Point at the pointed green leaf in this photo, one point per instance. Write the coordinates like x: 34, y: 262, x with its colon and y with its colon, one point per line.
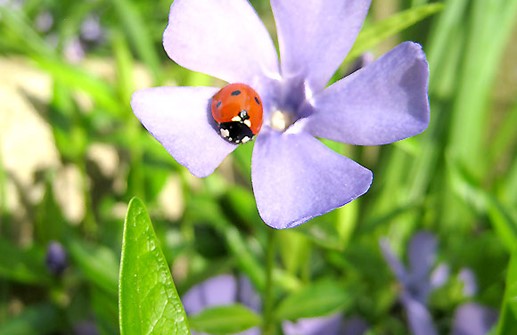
x: 149, y: 302
x: 319, y: 299
x: 225, y: 320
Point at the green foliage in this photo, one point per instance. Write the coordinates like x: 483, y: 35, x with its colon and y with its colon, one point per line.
x: 37, y: 319
x: 225, y: 320
x: 148, y: 299
x: 318, y: 299
x: 375, y: 33
x: 22, y: 265
x: 508, y: 319
x: 457, y: 180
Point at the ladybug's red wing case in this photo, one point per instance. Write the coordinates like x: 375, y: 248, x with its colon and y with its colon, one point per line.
x: 237, y: 110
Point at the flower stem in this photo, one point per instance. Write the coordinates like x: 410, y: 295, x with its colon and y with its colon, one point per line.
x: 268, y: 327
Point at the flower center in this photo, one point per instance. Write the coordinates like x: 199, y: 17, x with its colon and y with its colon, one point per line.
x: 281, y: 120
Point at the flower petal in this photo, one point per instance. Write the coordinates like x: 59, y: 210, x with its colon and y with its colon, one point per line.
x: 247, y: 295
x: 328, y: 325
x: 473, y: 319
x: 222, y: 38
x: 384, y: 102
x: 216, y: 291
x: 315, y: 36
x: 422, y: 255
x: 419, y: 318
x: 295, y: 178
x: 470, y: 286
x: 393, y: 261
x: 179, y: 118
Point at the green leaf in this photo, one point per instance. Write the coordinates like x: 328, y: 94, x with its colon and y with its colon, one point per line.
x: 225, y: 320
x: 294, y: 250
x: 508, y: 319
x: 49, y: 220
x: 205, y: 209
x: 378, y: 32
x: 319, y: 299
x: 149, y: 302
x: 80, y: 79
x: 501, y: 216
x: 490, y: 23
x: 97, y: 263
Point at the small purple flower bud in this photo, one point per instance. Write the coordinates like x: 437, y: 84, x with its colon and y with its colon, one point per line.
x: 56, y: 259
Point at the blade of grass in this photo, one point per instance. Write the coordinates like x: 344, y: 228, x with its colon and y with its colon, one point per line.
x: 379, y: 31
x: 138, y: 34
x: 490, y: 24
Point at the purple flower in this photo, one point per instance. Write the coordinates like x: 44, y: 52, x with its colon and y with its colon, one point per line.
x: 417, y: 282
x: 227, y: 290
x: 295, y: 177
x: 328, y: 325
x: 219, y: 291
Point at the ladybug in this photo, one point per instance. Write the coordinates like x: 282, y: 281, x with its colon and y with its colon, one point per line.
x: 237, y: 110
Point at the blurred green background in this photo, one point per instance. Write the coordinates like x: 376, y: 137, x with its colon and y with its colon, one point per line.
x: 72, y: 155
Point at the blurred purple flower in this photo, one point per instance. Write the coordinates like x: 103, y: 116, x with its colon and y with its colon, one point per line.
x: 469, y: 282
x: 329, y: 325
x: 473, y: 319
x: 74, y: 50
x: 227, y: 290
x: 91, y: 29
x: 56, y: 258
x: 295, y: 177
x: 44, y: 21
x: 219, y: 291
x: 417, y: 282
x: 90, y: 35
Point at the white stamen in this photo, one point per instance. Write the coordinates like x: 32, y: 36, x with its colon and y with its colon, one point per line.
x: 281, y: 120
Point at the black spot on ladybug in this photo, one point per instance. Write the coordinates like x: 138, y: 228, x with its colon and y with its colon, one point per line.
x: 218, y: 104
x: 236, y: 92
x: 257, y: 101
